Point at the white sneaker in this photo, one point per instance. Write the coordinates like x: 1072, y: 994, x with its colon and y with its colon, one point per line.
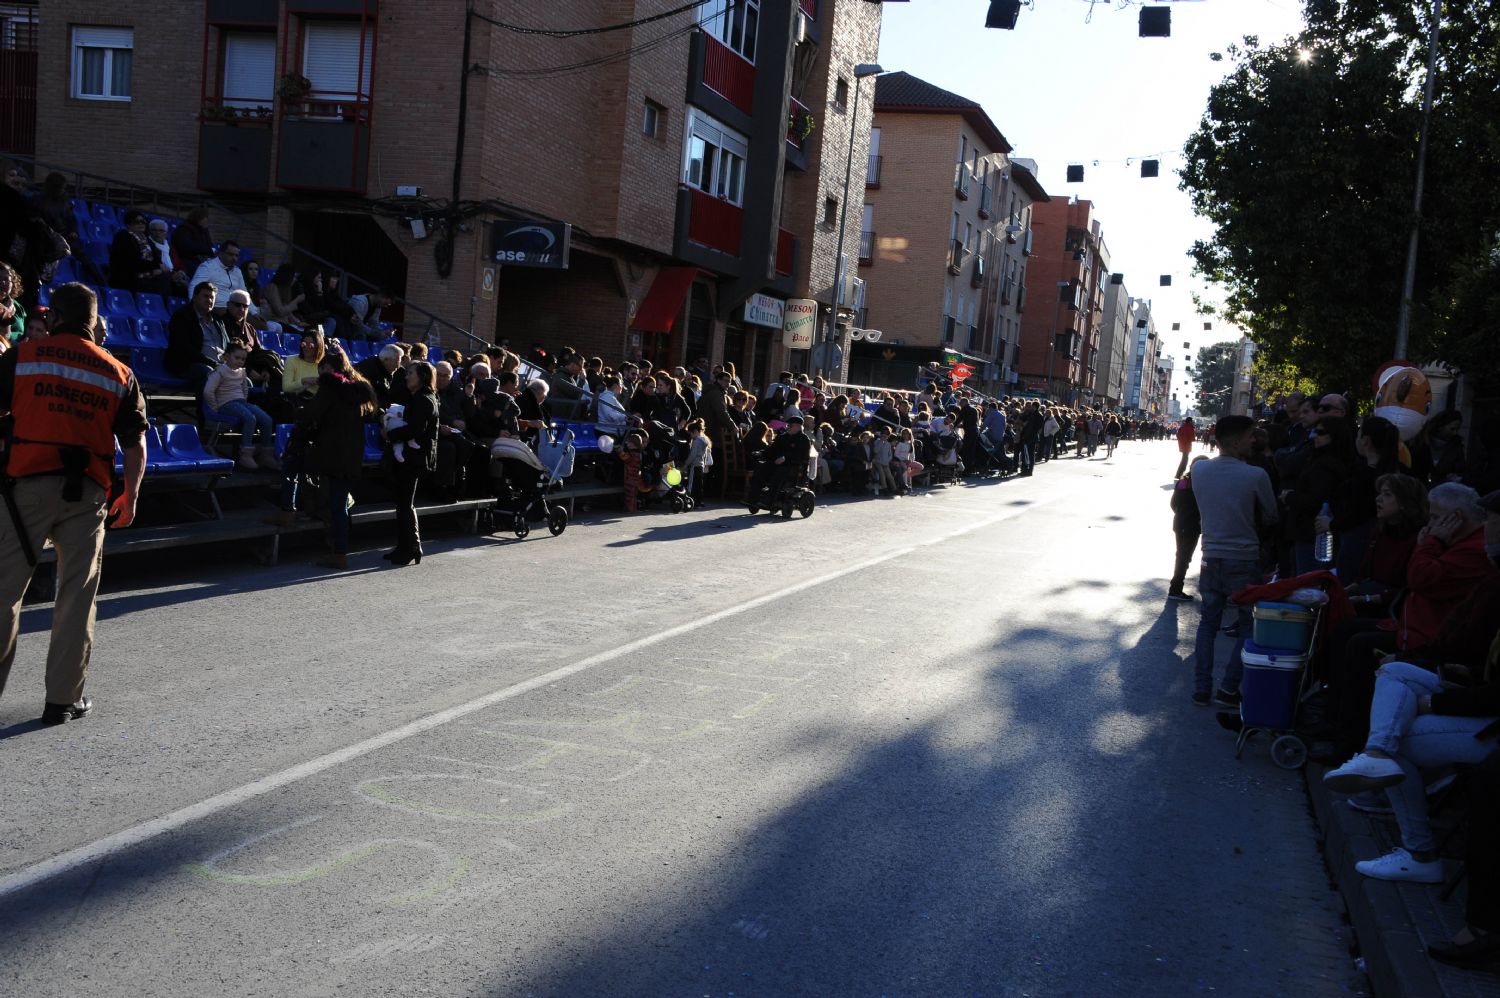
x: 1364, y: 772
x: 1398, y: 865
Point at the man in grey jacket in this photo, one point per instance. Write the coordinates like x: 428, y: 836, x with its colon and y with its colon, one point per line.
x: 1235, y: 503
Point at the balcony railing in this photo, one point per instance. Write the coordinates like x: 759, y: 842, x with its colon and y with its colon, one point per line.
x: 872, y: 170
x: 794, y: 123
x: 956, y: 256
x: 786, y: 252
x: 986, y: 200
x: 323, y: 142
x: 961, y: 185
x: 866, y: 248
x: 716, y: 224
x: 950, y: 328
x: 809, y: 7
x: 976, y: 275
x: 728, y: 74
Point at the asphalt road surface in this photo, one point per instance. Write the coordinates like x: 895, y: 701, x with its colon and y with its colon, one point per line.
x: 933, y: 745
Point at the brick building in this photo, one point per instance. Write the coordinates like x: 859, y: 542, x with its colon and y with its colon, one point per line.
x: 945, y: 237
x: 412, y: 143
x: 1065, y: 282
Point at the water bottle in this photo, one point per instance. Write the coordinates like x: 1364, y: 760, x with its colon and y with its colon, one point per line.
x: 1323, y: 545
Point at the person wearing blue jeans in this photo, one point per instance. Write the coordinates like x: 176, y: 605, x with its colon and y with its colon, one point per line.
x: 1416, y: 723
x: 1235, y: 503
x: 224, y: 401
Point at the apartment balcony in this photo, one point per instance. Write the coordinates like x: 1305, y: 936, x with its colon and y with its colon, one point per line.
x: 961, y: 184
x: 986, y: 201
x: 727, y: 73
x: 809, y: 7
x: 872, y: 170
x: 866, y: 248
x: 715, y: 223
x: 325, y: 143
x: 956, y: 256
x: 234, y: 152
x: 794, y: 125
x: 1021, y: 298
x: 976, y: 273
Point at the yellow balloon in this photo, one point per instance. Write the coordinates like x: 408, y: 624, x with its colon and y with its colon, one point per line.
x: 674, y: 477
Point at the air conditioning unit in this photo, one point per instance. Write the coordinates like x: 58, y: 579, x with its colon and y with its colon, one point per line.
x: 857, y: 293
x: 799, y: 33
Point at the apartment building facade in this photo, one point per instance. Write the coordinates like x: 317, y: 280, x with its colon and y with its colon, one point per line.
x: 627, y: 192
x: 1116, y: 342
x: 1060, y: 333
x: 1145, y: 390
x: 945, y: 237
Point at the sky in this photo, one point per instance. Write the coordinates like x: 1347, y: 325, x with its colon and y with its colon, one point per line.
x: 1066, y: 88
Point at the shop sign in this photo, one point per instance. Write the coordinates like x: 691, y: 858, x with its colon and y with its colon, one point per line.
x: 800, y: 324
x: 763, y: 310
x: 528, y: 243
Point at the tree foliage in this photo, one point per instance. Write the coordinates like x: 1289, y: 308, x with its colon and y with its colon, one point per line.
x: 1306, y: 167
x: 1213, y: 374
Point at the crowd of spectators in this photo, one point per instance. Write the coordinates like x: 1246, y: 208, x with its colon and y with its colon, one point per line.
x: 1405, y: 537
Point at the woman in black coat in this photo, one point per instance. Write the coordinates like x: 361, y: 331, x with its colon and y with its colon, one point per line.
x: 419, y: 458
x: 332, y: 425
x: 133, y: 261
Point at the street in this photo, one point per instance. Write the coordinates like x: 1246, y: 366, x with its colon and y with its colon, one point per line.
x: 932, y: 745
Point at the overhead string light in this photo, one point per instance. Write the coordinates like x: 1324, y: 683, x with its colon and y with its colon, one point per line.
x: 1150, y: 164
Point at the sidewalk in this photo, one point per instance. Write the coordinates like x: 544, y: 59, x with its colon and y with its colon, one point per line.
x: 1394, y: 922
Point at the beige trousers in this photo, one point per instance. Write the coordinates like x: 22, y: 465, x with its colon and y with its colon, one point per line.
x: 77, y: 533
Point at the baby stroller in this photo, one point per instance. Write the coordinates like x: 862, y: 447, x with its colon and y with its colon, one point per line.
x: 523, y: 481
x: 794, y: 492
x: 995, y: 458
x: 945, y: 464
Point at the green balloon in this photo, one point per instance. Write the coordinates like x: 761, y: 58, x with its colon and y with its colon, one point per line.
x: 674, y: 477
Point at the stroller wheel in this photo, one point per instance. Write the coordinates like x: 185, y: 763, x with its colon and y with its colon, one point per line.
x: 805, y: 504
x: 557, y: 521
x: 754, y: 509
x: 678, y: 505
x: 1289, y: 752
x: 521, y: 526
x: 786, y: 508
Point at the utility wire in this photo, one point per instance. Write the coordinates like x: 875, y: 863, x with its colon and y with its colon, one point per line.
x: 603, y: 29
x: 603, y: 60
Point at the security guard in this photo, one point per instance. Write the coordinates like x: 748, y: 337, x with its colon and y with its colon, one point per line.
x: 65, y: 402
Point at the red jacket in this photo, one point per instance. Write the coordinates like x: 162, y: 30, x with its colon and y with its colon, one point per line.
x: 1335, y: 612
x: 1185, y: 435
x: 1439, y: 579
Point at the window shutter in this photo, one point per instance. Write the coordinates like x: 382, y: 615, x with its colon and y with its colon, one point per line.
x: 249, y: 68
x: 332, y: 60
x: 104, y: 38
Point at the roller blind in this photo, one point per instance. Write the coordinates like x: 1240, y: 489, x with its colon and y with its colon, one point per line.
x: 249, y: 68
x: 332, y: 58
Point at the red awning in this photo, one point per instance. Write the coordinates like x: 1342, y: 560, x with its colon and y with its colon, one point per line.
x: 664, y: 300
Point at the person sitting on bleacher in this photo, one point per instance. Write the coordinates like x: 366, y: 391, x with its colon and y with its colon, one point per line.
x: 156, y: 235
x: 133, y: 265
x: 237, y: 320
x: 191, y: 243
x: 380, y: 372
x: 364, y: 319
x: 453, y: 446
x: 299, y: 378
x: 12, y: 312
x: 196, y: 339
x: 222, y: 271
x: 284, y: 297
x: 536, y: 413
x: 226, y: 400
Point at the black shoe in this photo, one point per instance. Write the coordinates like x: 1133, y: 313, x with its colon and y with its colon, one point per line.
x: 1233, y: 630
x: 1180, y: 596
x: 1480, y: 952
x: 1201, y: 699
x: 1224, y: 698
x: 1229, y: 721
x: 60, y: 713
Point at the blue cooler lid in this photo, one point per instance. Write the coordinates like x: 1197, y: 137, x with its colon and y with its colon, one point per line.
x: 1273, y: 654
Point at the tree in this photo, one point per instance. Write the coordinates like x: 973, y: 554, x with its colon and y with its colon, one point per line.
x: 1305, y: 160
x: 1213, y: 374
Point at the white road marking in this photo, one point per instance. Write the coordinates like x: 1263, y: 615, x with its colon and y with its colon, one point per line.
x: 100, y: 849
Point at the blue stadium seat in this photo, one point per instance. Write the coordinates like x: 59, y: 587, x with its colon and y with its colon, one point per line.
x: 67, y: 270
x: 283, y: 436
x: 359, y: 350
x: 97, y: 252
x: 44, y: 296
x: 80, y: 208
x: 151, y: 306
x: 374, y: 446
x: 151, y: 332
x: 106, y: 215
x: 183, y: 444
x: 289, y: 344
x: 118, y: 302
x: 146, y: 362
x: 119, y: 331
x: 173, y: 304
x: 158, y: 459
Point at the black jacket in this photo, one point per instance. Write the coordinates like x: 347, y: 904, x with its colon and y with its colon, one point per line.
x: 421, y: 417
x: 130, y: 258
x: 334, y: 427
x: 373, y: 370
x: 491, y: 411
x: 185, y: 341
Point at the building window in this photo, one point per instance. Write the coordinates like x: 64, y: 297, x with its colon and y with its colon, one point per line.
x: 830, y: 211
x: 336, y: 60
x: 651, y: 119
x: 841, y: 95
x: 101, y: 63
x: 249, y: 69
x: 714, y: 161
x: 736, y: 23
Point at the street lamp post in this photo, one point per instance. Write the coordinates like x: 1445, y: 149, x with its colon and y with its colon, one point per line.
x: 861, y: 71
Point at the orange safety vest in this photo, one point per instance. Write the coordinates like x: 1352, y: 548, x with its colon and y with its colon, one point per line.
x: 67, y: 393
